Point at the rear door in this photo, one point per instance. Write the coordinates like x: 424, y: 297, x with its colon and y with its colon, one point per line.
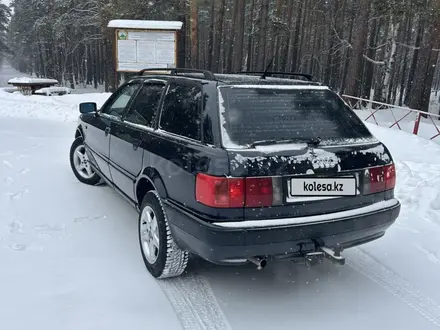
x: 177, y: 150
x: 98, y: 127
x: 130, y: 136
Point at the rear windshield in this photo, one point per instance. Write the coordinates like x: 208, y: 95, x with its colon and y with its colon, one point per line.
x: 256, y: 114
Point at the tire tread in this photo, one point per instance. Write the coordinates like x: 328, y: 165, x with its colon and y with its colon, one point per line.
x: 176, y: 260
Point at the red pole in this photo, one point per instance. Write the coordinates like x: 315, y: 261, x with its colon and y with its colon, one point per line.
x: 417, y: 123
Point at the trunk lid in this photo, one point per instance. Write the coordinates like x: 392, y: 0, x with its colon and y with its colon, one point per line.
x: 308, y: 141
x: 313, y: 166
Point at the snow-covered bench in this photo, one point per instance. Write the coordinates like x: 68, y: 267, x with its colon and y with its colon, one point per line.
x: 49, y: 91
x: 28, y: 86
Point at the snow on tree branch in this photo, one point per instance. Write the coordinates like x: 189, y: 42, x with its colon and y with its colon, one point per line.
x: 407, y: 46
x: 373, y: 61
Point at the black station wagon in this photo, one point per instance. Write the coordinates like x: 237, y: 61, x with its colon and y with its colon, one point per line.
x: 237, y: 168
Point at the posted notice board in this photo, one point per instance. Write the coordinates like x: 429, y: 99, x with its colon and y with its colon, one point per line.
x: 143, y: 49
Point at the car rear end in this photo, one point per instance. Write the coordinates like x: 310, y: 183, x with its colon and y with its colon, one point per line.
x: 304, y: 174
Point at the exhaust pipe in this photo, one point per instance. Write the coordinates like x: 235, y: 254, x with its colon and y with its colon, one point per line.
x: 261, y: 263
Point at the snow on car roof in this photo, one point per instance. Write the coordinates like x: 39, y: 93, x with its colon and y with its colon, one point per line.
x: 256, y: 79
x: 283, y: 87
x: 26, y: 80
x: 141, y: 24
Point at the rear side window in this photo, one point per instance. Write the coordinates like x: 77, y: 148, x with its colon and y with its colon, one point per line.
x: 251, y: 115
x: 146, y: 104
x: 181, y: 112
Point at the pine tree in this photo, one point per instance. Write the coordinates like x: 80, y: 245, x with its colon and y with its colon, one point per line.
x: 4, y: 20
x: 356, y: 46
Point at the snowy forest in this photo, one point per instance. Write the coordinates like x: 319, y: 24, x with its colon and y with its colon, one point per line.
x: 384, y: 50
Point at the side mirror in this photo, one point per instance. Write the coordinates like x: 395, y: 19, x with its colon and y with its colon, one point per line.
x: 88, y: 107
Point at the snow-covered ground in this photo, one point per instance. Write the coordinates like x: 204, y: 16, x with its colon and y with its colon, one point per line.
x: 70, y: 257
x: 58, y: 108
x: 429, y: 128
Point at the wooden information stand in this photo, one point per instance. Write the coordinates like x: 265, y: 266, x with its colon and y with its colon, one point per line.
x: 145, y: 44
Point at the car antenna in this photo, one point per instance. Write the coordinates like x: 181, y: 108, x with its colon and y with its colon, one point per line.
x: 267, y: 69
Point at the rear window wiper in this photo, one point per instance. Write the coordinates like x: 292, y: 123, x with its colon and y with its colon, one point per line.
x: 272, y: 141
x: 315, y: 141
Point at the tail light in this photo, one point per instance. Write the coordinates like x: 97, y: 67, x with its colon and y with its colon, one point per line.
x: 221, y: 192
x: 379, y: 179
x: 390, y: 177
x: 259, y: 192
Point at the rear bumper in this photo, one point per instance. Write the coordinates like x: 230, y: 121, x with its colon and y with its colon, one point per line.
x: 219, y: 243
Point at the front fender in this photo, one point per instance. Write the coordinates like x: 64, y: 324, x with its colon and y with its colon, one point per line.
x: 79, y: 132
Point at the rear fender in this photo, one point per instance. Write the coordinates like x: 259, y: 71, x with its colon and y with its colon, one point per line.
x: 155, y: 179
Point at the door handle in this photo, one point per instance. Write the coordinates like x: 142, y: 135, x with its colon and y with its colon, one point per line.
x: 136, y: 144
x: 107, y: 131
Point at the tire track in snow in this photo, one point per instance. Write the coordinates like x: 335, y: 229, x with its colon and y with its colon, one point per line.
x: 393, y: 283
x: 7, y: 164
x: 194, y: 303
x: 431, y: 256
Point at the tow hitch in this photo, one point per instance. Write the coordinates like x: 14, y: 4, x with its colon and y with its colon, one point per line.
x: 334, y: 255
x: 314, y: 258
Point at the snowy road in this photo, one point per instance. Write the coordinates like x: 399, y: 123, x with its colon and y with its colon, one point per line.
x: 70, y: 256
x: 68, y: 259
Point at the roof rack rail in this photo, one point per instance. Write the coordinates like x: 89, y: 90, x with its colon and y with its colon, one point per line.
x: 269, y: 73
x: 174, y: 71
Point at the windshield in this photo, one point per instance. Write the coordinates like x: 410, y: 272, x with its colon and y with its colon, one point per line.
x: 250, y: 115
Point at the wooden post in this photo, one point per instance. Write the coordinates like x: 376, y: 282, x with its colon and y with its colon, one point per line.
x: 417, y: 124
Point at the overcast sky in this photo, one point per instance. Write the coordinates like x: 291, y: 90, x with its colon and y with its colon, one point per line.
x: 5, y: 2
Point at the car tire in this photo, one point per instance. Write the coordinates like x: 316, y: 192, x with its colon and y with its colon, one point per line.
x: 80, y: 164
x: 162, y: 257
